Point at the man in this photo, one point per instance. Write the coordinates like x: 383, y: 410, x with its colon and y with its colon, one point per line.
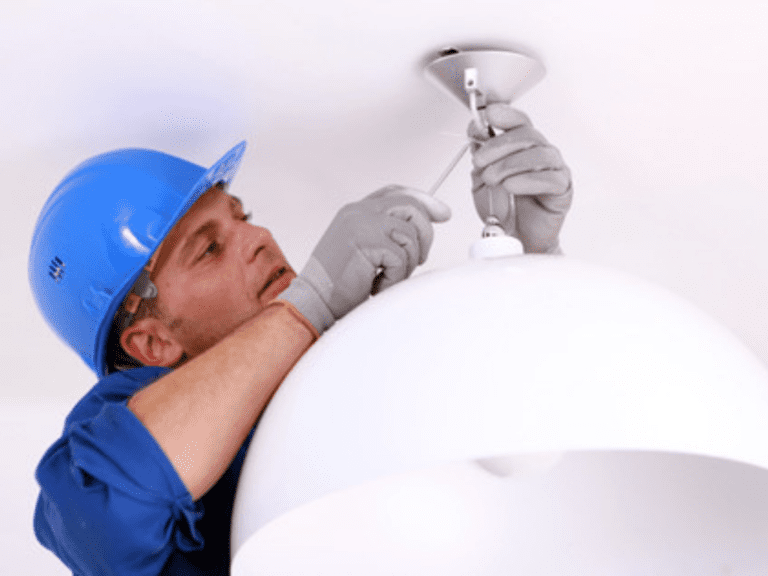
x: 191, y: 317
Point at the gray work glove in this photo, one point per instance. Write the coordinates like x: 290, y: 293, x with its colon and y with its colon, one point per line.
x: 370, y: 245
x: 521, y: 179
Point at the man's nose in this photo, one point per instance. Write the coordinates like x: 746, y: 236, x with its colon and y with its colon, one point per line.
x: 255, y: 239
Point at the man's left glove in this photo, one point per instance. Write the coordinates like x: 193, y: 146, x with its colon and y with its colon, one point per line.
x: 520, y: 179
x: 370, y: 245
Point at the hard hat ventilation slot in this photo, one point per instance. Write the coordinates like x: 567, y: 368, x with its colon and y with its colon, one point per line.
x: 56, y: 269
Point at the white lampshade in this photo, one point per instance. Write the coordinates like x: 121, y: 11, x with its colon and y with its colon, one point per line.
x: 532, y: 415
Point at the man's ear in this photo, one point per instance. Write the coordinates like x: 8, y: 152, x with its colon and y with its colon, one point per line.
x: 150, y: 342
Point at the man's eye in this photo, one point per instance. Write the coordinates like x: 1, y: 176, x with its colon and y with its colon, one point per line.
x: 246, y: 217
x: 212, y: 248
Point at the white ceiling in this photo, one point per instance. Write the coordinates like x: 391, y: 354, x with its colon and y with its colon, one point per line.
x: 657, y: 107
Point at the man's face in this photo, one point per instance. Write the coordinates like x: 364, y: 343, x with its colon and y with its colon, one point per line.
x: 216, y: 271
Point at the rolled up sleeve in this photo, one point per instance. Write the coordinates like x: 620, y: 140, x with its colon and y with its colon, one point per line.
x: 110, y: 501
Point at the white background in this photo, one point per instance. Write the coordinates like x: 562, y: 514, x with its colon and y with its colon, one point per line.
x: 657, y: 107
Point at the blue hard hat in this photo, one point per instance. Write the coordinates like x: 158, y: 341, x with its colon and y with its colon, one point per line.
x: 98, y: 230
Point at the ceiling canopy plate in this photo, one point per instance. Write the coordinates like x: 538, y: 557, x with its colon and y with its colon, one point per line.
x: 502, y: 75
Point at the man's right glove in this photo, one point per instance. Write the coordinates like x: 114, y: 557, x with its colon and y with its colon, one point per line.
x: 521, y: 179
x: 370, y: 245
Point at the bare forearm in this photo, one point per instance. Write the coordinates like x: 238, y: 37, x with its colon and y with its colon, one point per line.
x: 201, y: 413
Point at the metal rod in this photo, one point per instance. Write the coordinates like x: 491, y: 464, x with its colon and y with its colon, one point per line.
x: 450, y: 168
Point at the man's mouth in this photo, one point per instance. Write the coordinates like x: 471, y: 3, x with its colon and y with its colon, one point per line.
x: 275, y: 275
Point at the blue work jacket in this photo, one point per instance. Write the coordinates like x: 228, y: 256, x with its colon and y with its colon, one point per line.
x: 111, y: 502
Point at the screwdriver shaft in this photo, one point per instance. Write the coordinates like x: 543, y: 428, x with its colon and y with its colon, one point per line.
x: 450, y: 168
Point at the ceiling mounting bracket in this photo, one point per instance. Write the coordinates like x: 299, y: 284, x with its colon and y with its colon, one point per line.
x: 499, y: 75
x: 476, y: 100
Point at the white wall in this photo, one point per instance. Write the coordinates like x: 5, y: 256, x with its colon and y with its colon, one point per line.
x: 27, y: 428
x: 658, y: 108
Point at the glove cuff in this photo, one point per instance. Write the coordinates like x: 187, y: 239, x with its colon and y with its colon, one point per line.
x: 303, y: 296
x: 298, y: 315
